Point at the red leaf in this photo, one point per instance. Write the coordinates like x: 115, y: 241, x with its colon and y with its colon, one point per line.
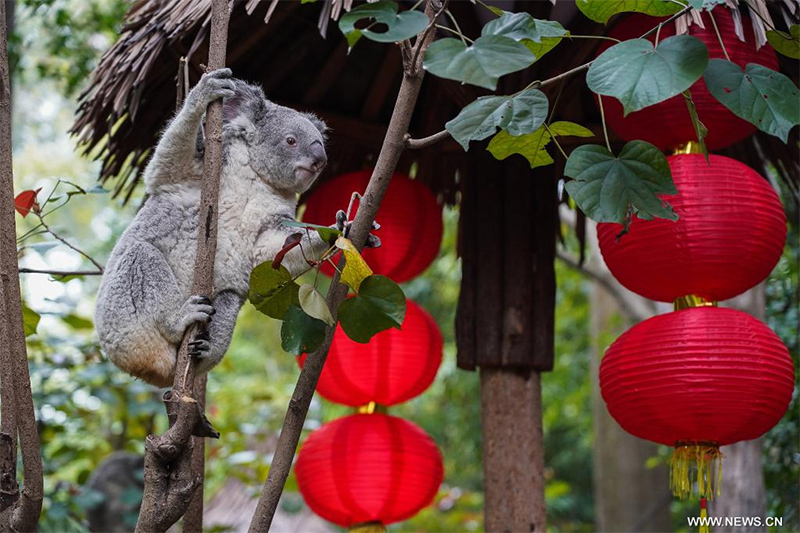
x: 290, y: 242
x: 25, y: 201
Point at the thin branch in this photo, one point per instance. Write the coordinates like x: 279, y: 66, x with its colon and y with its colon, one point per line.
x: 390, y: 153
x: 427, y: 141
x: 719, y: 36
x: 70, y: 246
x: 426, y: 35
x: 61, y: 272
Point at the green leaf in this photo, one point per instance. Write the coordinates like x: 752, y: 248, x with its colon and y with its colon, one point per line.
x: 550, y: 33
x: 532, y: 146
x: 784, y: 43
x: 77, y: 322
x: 30, y: 320
x: 301, y: 333
x: 539, y: 36
x: 481, y: 63
x: 314, y: 305
x: 272, y: 291
x: 518, y: 115
x: 609, y: 188
x: 639, y: 75
x: 326, y: 233
x: 766, y: 98
x: 700, y: 129
x: 400, y: 26
x: 379, y: 305
x: 602, y: 10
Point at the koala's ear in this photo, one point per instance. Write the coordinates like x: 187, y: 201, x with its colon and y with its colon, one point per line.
x: 247, y: 102
x: 318, y: 123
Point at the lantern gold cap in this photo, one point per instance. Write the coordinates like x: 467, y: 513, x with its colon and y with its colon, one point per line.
x: 692, y: 300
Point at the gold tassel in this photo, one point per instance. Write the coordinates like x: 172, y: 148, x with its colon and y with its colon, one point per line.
x: 367, y: 527
x: 695, y: 469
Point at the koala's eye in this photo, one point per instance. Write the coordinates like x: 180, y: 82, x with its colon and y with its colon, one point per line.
x: 291, y: 141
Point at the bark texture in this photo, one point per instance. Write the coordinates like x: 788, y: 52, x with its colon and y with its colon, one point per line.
x: 23, y: 515
x: 393, y: 145
x: 513, y: 451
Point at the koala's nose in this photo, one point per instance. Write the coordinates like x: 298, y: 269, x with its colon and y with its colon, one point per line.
x: 318, y: 156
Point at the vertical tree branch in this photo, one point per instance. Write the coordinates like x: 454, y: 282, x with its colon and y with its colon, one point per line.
x: 170, y: 481
x: 26, y: 510
x: 393, y: 145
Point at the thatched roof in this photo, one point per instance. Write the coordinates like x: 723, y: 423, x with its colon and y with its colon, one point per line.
x: 302, y: 64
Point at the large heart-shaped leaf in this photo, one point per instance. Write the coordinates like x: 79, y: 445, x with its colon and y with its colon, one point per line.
x: 550, y: 34
x: 519, y: 114
x: 602, y: 10
x: 609, y: 188
x: 399, y: 26
x: 539, y: 36
x: 481, y: 63
x: 766, y: 98
x: 30, y: 320
x: 272, y: 290
x: 379, y: 305
x: 640, y: 75
x: 301, y: 333
x: 532, y: 145
x: 784, y: 43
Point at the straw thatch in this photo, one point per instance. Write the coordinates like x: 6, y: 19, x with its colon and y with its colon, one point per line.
x: 303, y: 63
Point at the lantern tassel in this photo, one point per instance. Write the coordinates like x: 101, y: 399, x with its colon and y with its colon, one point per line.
x: 696, y: 468
x: 704, y: 517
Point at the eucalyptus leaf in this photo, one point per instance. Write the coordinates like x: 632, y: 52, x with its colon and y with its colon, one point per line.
x: 379, y: 305
x: 640, y: 75
x: 400, y: 26
x: 301, y: 333
x: 766, y: 98
x: 481, y: 63
x: 272, y: 291
x: 610, y: 188
x: 602, y: 10
x: 314, y: 305
x: 784, y: 43
x: 518, y: 115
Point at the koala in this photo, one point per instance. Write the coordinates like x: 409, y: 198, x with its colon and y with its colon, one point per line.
x: 271, y: 154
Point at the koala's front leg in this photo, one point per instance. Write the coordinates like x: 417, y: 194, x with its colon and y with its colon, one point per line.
x: 178, y: 144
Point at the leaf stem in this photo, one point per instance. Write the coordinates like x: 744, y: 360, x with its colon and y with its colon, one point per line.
x: 454, y: 32
x: 455, y: 23
x: 553, y: 138
x: 600, y: 37
x: 415, y: 6
x: 719, y: 36
x: 603, y: 120
x: 658, y: 35
x: 489, y: 8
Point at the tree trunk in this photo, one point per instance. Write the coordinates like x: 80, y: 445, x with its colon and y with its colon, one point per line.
x: 743, y: 491
x: 628, y: 496
x: 513, y: 450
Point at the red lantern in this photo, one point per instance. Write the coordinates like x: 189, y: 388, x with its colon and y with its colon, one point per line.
x: 667, y: 124
x: 410, y: 219
x: 395, y: 366
x: 697, y: 379
x: 728, y: 238
x: 368, y: 468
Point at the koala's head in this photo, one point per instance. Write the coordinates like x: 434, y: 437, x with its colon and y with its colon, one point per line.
x: 286, y: 147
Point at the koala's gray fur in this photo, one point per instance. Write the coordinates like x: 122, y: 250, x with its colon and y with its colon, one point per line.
x: 271, y: 154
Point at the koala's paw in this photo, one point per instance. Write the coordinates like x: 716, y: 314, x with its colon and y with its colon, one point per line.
x: 200, y: 347
x: 196, y: 309
x: 343, y: 225
x: 213, y: 86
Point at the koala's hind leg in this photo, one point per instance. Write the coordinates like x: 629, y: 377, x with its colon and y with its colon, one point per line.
x: 141, y: 315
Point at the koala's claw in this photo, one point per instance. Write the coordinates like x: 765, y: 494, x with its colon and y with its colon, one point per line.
x: 373, y: 241
x: 196, y: 309
x: 213, y: 86
x: 200, y: 348
x: 343, y: 225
